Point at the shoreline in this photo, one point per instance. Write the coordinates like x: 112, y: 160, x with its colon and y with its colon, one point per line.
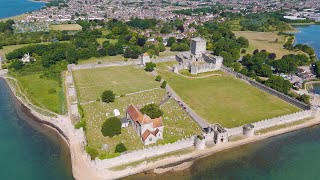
x: 199, y: 154
x: 82, y: 169
x: 22, y: 16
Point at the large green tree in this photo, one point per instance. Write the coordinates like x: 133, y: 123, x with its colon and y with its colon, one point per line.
x: 108, y: 96
x: 152, y: 110
x: 111, y: 127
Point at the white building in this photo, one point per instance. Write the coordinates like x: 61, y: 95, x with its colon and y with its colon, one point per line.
x: 149, y: 130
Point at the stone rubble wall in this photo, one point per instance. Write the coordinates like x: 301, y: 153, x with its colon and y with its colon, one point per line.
x: 144, y: 154
x: 267, y: 89
x: 290, y: 118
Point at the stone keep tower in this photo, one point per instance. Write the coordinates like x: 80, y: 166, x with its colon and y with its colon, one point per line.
x: 198, y: 46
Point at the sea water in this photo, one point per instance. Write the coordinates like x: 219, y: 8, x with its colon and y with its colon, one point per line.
x: 310, y: 35
x: 295, y: 155
x: 9, y: 8
x: 28, y: 150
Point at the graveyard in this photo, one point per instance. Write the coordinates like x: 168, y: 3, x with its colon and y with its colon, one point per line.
x: 132, y: 85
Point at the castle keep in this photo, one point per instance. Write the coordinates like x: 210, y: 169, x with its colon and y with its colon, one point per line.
x: 197, y: 61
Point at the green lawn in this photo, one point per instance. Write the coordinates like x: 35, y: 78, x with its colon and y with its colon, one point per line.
x: 226, y: 100
x: 124, y: 80
x: 102, y: 59
x: 37, y: 90
x: 270, y: 41
x: 101, y: 40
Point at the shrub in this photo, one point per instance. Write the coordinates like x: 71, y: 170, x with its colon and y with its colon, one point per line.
x: 92, y: 152
x: 81, y: 124
x: 120, y: 148
x: 158, y: 78
x: 243, y: 51
x: 150, y: 66
x: 164, y: 84
x: 152, y: 110
x: 108, y: 96
x: 111, y: 127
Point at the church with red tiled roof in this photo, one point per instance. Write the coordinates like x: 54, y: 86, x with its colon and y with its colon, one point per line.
x: 149, y: 130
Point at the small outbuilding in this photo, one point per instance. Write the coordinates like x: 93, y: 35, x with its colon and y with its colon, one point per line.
x: 124, y: 122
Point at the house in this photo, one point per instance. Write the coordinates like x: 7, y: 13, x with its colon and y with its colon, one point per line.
x: 149, y: 130
x: 27, y: 58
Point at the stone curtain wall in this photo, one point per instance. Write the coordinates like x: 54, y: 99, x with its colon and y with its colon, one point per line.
x: 275, y: 121
x: 144, y: 154
x: 267, y: 89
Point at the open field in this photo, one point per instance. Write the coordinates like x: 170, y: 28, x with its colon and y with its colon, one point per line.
x: 265, y: 41
x: 37, y: 90
x: 91, y: 83
x: 167, y: 52
x: 66, y: 27
x: 102, y: 59
x: 226, y: 100
x: 124, y: 80
x: 101, y: 40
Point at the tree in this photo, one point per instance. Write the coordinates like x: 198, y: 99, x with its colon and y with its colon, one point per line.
x: 171, y: 40
x: 272, y: 56
x: 111, y: 50
x: 255, y: 51
x: 152, y: 110
x: 17, y: 65
x: 164, y: 84
x: 158, y: 78
x: 150, y: 66
x: 111, y: 127
x: 304, y: 98
x: 92, y: 152
x: 108, y: 96
x: 244, y: 42
x: 120, y: 148
x: 264, y: 70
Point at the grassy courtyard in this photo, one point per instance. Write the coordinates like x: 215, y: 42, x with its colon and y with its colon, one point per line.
x: 42, y: 92
x: 122, y: 80
x: 226, y: 100
x: 132, y: 81
x: 266, y: 41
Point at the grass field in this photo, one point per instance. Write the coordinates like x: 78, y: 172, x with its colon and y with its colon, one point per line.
x: 66, y: 27
x: 265, y: 41
x: 37, y: 90
x: 123, y: 80
x: 101, y: 40
x: 102, y: 59
x: 167, y: 52
x: 226, y: 100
